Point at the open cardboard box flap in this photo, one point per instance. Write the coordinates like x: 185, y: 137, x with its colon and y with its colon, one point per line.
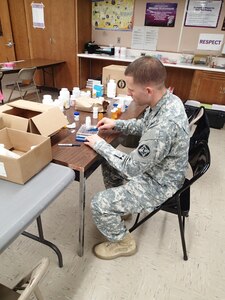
x: 4, y: 108
x: 48, y: 122
x: 30, y: 105
x: 33, y: 117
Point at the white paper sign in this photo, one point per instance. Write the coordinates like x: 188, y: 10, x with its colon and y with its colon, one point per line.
x: 144, y: 37
x: 209, y: 41
x: 38, y: 15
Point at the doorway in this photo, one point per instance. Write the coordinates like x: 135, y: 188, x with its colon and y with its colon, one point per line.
x: 7, y: 49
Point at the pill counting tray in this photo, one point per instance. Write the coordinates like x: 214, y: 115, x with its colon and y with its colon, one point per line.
x: 85, y: 131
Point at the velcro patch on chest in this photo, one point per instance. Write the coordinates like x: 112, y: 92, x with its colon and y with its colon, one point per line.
x: 144, y: 150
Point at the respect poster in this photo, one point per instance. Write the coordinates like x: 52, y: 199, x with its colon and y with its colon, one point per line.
x: 160, y: 14
x: 112, y: 15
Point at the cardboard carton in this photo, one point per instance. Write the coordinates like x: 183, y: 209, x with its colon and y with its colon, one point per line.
x: 31, y: 160
x: 1, y: 123
x: 33, y: 117
x: 115, y: 72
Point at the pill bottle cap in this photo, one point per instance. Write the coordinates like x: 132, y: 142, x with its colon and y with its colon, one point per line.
x: 76, y: 113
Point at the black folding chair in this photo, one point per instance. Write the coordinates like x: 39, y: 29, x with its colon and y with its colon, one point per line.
x: 179, y: 203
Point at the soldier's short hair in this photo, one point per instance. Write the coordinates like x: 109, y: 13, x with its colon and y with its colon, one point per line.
x: 147, y: 70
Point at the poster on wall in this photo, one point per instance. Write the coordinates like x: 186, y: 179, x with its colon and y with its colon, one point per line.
x: 160, y: 14
x: 203, y: 13
x: 113, y: 14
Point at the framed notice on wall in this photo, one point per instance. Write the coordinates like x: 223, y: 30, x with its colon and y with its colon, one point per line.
x: 203, y: 13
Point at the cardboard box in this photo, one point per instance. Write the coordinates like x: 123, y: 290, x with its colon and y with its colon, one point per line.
x: 1, y: 123
x: 115, y: 72
x: 33, y: 117
x: 30, y: 162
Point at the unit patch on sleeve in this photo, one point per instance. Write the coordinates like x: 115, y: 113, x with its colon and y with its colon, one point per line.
x: 143, y: 150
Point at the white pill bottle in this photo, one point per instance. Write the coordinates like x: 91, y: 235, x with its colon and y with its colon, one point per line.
x: 111, y: 89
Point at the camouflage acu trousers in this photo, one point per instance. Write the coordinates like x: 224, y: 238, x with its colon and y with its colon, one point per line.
x: 122, y: 197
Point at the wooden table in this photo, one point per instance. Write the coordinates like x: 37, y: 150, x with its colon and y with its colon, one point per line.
x: 84, y: 160
x: 40, y: 63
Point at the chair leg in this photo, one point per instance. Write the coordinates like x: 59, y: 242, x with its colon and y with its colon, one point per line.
x: 183, y: 223
x: 37, y: 92
x: 182, y: 235
x: 25, y: 94
x: 19, y: 90
x: 10, y: 95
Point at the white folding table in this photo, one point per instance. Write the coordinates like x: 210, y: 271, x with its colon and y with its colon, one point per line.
x: 20, y: 205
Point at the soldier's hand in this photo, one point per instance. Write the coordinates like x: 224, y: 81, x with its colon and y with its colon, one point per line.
x: 91, y: 140
x: 105, y: 124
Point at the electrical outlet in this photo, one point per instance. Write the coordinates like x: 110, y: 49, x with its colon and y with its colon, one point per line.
x: 118, y: 40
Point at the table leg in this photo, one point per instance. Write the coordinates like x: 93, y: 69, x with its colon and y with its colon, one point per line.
x: 40, y: 238
x: 82, y: 213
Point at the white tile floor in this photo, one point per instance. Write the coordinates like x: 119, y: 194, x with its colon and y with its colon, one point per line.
x: 157, y: 271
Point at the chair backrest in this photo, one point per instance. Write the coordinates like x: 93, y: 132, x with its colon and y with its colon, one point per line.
x: 32, y: 280
x: 196, y: 116
x: 199, y: 159
x: 26, y: 74
x: 201, y: 131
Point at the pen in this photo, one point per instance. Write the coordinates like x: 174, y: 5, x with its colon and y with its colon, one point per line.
x: 69, y: 145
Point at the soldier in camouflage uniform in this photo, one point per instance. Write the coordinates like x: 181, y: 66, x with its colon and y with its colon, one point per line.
x: 151, y: 173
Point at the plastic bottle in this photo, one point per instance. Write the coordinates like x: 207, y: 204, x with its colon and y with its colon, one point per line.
x: 72, y: 100
x: 76, y: 92
x: 64, y: 95
x: 88, y: 122
x: 122, y: 103
x: 111, y: 88
x: 100, y: 116
x: 76, y: 115
x: 95, y: 112
x: 119, y: 111
x: 114, y: 113
x: 47, y: 99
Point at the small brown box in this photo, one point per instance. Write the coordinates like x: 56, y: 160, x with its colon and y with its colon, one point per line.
x: 31, y: 160
x: 115, y: 72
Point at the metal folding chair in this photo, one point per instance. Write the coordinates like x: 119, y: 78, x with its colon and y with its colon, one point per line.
x: 28, y: 285
x: 179, y: 203
x: 24, y: 84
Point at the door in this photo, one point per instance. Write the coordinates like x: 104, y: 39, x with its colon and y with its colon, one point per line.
x: 7, y: 51
x: 56, y: 41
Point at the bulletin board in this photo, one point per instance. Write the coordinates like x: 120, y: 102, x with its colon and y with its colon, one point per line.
x: 112, y: 15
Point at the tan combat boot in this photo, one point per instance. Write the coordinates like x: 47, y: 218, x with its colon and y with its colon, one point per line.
x: 111, y: 250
